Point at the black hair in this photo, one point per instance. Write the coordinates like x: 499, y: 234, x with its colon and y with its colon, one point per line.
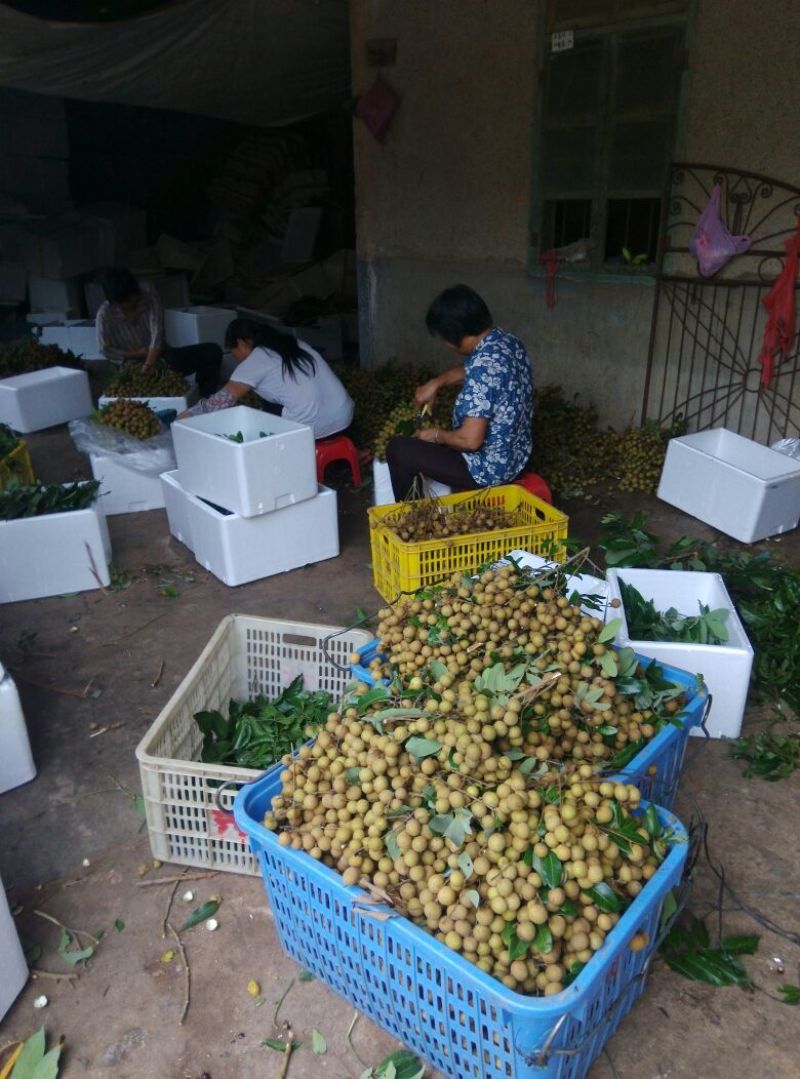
x: 119, y: 284
x: 456, y: 313
x: 293, y: 356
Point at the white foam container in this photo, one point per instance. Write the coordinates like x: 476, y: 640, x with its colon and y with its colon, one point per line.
x: 13, y: 967
x: 196, y: 325
x: 584, y: 583
x: 724, y: 667
x: 16, y: 759
x: 123, y: 489
x: 738, y: 486
x: 259, y: 475
x: 52, y: 294
x: 176, y: 503
x: 241, y: 549
x: 46, y: 398
x: 382, y: 493
x: 52, y: 555
x: 158, y: 404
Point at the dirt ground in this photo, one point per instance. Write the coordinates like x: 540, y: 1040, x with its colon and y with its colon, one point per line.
x: 73, y: 845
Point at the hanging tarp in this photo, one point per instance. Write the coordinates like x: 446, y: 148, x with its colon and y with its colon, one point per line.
x: 257, y: 62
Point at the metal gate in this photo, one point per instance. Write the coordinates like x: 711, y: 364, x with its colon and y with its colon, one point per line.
x: 706, y: 334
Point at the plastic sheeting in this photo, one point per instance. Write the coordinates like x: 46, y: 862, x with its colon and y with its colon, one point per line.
x: 258, y: 62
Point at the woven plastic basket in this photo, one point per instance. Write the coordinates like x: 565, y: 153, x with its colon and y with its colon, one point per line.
x: 403, y: 567
x: 459, y: 1019
x: 244, y: 658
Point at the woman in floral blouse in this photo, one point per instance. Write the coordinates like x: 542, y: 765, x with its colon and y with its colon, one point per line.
x: 490, y: 441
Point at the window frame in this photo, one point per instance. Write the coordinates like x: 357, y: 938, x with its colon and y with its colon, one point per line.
x: 680, y: 15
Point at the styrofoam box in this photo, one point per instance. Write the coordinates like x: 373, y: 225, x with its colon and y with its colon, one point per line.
x: 52, y: 294
x: 176, y: 503
x: 724, y: 667
x: 195, y: 325
x: 123, y: 489
x: 241, y: 549
x: 54, y: 554
x: 744, y: 489
x: 12, y: 958
x: 50, y: 318
x: 16, y: 759
x: 252, y: 477
x: 83, y: 339
x: 158, y: 404
x: 382, y: 493
x: 41, y: 399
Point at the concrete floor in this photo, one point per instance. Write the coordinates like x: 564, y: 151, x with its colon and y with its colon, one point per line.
x: 120, y: 1017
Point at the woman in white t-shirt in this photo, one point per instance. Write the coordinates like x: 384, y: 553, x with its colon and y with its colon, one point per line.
x: 283, y: 371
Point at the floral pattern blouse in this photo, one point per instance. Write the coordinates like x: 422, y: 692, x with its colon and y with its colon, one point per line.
x: 498, y: 387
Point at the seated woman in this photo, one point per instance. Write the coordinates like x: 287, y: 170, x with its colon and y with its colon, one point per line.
x: 490, y: 441
x: 284, y: 372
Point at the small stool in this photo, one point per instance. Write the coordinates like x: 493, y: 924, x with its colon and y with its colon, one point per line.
x: 337, y: 448
x: 534, y: 483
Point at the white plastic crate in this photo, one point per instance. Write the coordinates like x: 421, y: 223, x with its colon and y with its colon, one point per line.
x: 744, y: 489
x: 176, y: 503
x: 241, y: 549
x: 158, y: 404
x: 54, y: 554
x: 252, y: 477
x: 196, y: 325
x: 12, y: 959
x: 244, y: 658
x: 45, y: 398
x: 123, y: 489
x: 724, y: 667
x: 16, y: 760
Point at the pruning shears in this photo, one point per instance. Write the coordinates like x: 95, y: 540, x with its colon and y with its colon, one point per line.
x: 423, y: 414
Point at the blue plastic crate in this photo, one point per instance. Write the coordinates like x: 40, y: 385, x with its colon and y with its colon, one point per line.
x: 462, y: 1021
x: 664, y: 754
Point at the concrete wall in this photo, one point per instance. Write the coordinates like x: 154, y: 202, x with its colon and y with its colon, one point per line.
x: 33, y: 151
x: 446, y: 198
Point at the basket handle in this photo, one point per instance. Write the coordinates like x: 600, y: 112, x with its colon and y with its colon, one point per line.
x: 233, y: 783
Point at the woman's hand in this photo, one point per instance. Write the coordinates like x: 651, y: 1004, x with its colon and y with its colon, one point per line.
x: 426, y: 393
x: 429, y: 434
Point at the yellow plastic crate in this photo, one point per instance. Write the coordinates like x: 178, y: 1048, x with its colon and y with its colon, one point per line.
x: 404, y: 567
x: 16, y: 465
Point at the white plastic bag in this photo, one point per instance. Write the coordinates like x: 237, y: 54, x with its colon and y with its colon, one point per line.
x: 789, y: 446
x: 151, y: 456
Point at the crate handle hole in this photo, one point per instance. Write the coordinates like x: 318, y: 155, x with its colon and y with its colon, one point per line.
x: 296, y: 638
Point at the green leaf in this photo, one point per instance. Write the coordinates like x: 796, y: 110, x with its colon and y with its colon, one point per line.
x: 397, y: 713
x: 279, y: 1046
x: 741, y: 945
x: 708, y: 965
x: 422, y: 747
x: 170, y: 591
x: 607, y: 731
x: 405, y: 1064
x: 318, y: 1043
x: 201, y: 914
x: 609, y: 665
x: 610, y: 630
x: 47, y: 1068
x: 119, y: 925
x: 377, y: 693
x: 472, y: 897
x: 352, y: 775
x: 307, y: 976
x: 651, y: 823
x: 437, y: 669
x: 460, y: 827
x: 668, y: 909
x: 392, y: 846
x: 70, y: 954
x: 440, y: 823
x: 605, y: 898
x: 465, y: 864
x: 790, y: 993
x: 32, y: 1054
x: 543, y: 941
x: 549, y: 869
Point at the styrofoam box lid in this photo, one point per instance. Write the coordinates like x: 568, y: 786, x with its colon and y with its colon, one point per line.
x: 204, y: 310
x: 742, y: 453
x: 684, y: 590
x: 41, y: 378
x: 250, y: 421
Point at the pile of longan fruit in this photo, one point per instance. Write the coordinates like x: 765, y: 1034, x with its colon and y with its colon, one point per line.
x: 132, y: 417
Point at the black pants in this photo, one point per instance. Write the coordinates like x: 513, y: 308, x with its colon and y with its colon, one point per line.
x: 203, y: 361
x: 411, y: 457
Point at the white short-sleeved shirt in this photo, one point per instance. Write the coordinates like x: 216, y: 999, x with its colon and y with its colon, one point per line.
x: 316, y: 399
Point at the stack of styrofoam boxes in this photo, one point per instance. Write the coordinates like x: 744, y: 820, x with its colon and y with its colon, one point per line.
x: 196, y: 325
x: 725, y: 668
x: 54, y: 554
x: 249, y: 509
x: 74, y: 335
x: 744, y: 489
x: 45, y: 398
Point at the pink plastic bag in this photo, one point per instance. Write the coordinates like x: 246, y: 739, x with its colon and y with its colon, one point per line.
x: 711, y: 240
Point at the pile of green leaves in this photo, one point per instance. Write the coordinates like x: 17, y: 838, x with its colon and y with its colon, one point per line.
x: 258, y: 733
x: 765, y: 591
x: 645, y: 623
x: 771, y: 754
x: 8, y: 440
x: 38, y: 499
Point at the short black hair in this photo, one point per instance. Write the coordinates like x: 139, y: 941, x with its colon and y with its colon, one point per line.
x: 456, y: 313
x: 119, y: 284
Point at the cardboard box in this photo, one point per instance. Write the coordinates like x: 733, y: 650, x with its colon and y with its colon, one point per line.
x: 256, y: 476
x: 54, y: 554
x: 725, y: 667
x: 41, y: 399
x: 744, y: 489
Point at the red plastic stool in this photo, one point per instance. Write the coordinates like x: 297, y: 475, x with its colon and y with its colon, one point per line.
x: 534, y: 483
x: 337, y: 448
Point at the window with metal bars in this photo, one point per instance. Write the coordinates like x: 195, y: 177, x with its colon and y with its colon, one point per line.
x: 610, y: 101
